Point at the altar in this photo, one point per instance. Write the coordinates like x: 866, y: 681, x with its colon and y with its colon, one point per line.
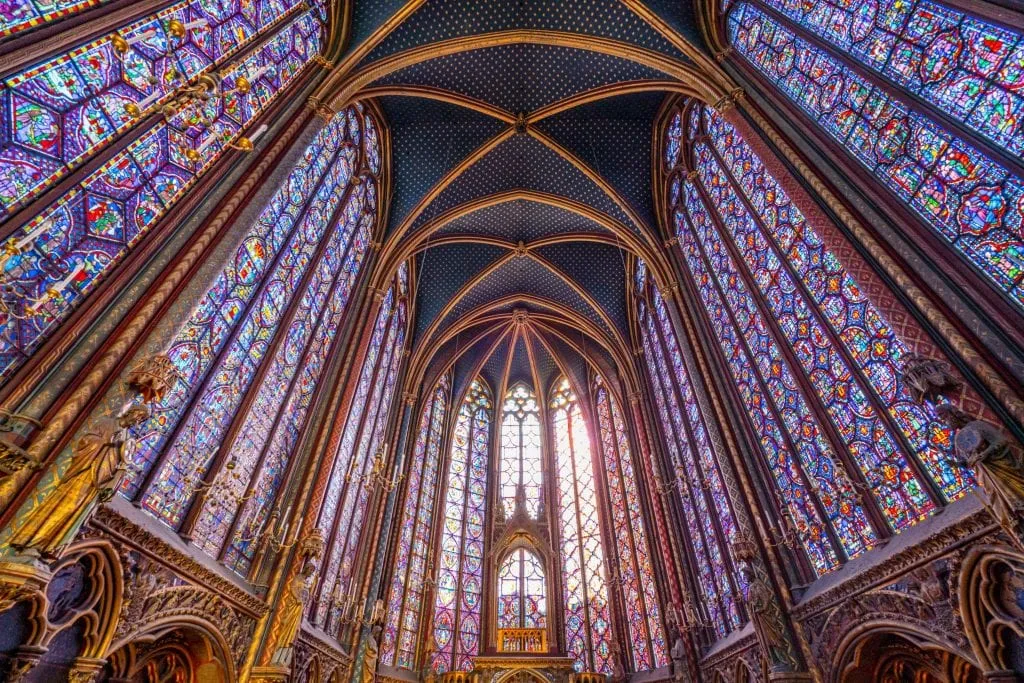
x: 523, y: 667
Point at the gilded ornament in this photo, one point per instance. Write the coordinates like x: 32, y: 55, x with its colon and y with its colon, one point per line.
x: 293, y: 604
x: 92, y: 477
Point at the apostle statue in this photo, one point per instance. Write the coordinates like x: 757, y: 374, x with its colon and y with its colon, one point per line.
x: 376, y: 624
x: 293, y: 603
x: 768, y: 626
x: 997, y: 466
x: 92, y: 477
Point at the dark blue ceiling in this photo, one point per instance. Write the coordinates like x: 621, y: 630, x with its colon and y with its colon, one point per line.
x: 611, y: 137
x: 440, y: 20
x: 428, y: 139
x: 522, y: 163
x: 521, y: 220
x: 521, y: 78
x: 443, y: 271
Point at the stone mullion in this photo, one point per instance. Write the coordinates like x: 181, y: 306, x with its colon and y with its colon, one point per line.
x: 681, y: 481
x: 417, y: 511
x: 220, y: 456
x: 204, y: 383
x: 837, y: 546
x: 870, y: 503
x: 723, y: 541
x: 885, y: 84
x: 746, y: 500
x: 353, y: 481
x: 316, y: 440
x: 602, y: 472
x: 859, y: 375
x: 332, y: 537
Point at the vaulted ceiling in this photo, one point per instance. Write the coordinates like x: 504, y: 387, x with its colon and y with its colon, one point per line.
x: 521, y: 162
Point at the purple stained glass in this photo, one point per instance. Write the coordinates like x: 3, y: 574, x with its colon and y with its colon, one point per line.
x: 585, y: 593
x: 868, y: 439
x: 405, y: 596
x: 73, y: 244
x: 970, y: 201
x: 865, y: 334
x: 971, y: 70
x: 369, y: 421
x: 640, y: 596
x: 59, y: 113
x: 459, y: 581
x: 325, y: 166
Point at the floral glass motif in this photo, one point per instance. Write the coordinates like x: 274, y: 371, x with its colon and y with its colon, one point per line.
x: 769, y: 283
x: 405, y: 596
x: 706, y: 510
x: 520, y: 450
x: 969, y: 70
x: 459, y: 586
x: 323, y: 171
x: 59, y: 113
x: 585, y: 592
x: 636, y: 569
x: 522, y: 591
x: 354, y: 450
x: 73, y: 244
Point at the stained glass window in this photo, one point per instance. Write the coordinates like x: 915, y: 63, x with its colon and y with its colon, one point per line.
x: 925, y: 97
x: 354, y: 449
x: 521, y: 472
x: 815, y: 362
x: 636, y: 570
x: 273, y: 242
x: 522, y: 591
x: 73, y: 244
x: 585, y: 592
x: 409, y: 573
x: 706, y: 509
x: 459, y: 583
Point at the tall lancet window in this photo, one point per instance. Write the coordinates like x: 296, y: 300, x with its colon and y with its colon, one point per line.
x: 585, y: 590
x: 706, y: 509
x: 63, y: 112
x: 353, y: 449
x: 925, y: 97
x: 636, y: 572
x: 460, y: 571
x: 405, y: 597
x: 520, y: 451
x: 853, y: 457
x: 270, y: 315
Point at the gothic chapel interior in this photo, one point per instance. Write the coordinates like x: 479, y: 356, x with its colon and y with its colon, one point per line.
x: 512, y: 341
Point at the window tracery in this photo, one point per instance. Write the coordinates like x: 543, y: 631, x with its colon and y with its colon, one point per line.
x: 409, y: 573
x: 354, y: 450
x: 706, y: 508
x: 64, y: 111
x: 456, y: 624
x: 925, y: 97
x: 852, y: 456
x: 635, y: 567
x: 521, y: 464
x: 588, y: 633
x: 522, y: 591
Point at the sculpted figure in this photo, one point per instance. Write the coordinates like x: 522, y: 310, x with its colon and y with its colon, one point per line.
x: 92, y: 477
x: 678, y: 654
x: 296, y: 595
x: 764, y: 616
x: 927, y: 378
x: 997, y: 467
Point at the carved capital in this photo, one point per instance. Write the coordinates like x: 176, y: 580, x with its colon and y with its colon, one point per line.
x: 722, y: 55
x: 323, y: 62
x: 729, y: 101
x: 320, y: 108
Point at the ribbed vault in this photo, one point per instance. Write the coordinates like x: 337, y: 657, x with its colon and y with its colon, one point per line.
x: 521, y: 143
